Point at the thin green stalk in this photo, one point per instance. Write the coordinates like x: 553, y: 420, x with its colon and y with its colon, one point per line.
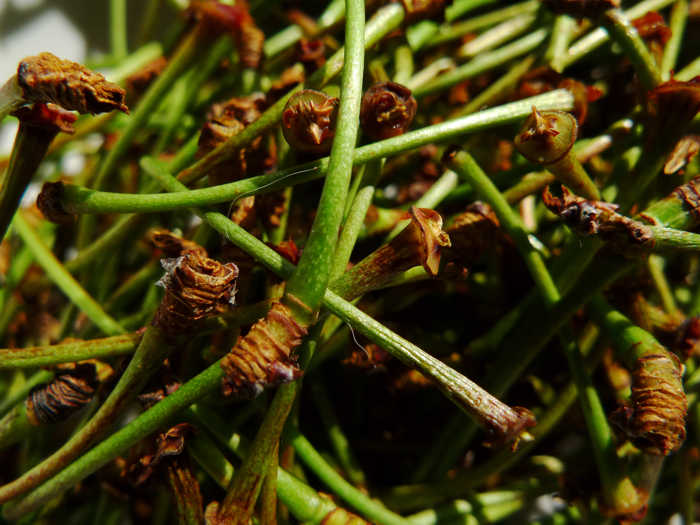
x: 482, y: 63
x: 309, y: 281
x: 677, y: 23
x: 598, y: 37
x: 469, y: 170
x: 339, y: 442
x: 117, y: 29
x: 135, y: 61
x: 452, y: 31
x: 626, y: 36
x: 351, y: 231
x: 148, y: 357
x: 460, y: 8
x: 562, y: 33
x: 68, y: 352
x: 369, y: 508
x: 77, y: 199
x: 497, y: 90
x: 403, y: 64
x: 60, y: 276
x: 655, y: 265
x: 496, y: 36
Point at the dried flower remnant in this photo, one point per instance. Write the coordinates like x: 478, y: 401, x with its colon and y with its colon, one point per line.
x: 217, y: 18
x: 47, y: 78
x: 581, y: 8
x: 49, y: 203
x: 655, y: 417
x: 671, y: 106
x: 168, y: 444
x: 420, y: 9
x: 138, y: 82
x: 653, y: 29
x: 387, y: 110
x: 472, y: 233
x: 290, y: 77
x: 195, y: 287
x: 311, y: 53
x: 73, y: 387
x: 49, y: 117
x: 682, y: 154
x: 546, y: 138
x: 600, y: 218
x: 173, y: 245
x: 687, y: 340
x: 265, y: 356
x: 308, y: 121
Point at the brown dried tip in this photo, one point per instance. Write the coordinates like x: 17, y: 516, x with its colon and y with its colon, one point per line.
x: 341, y: 516
x: 217, y: 18
x: 600, y: 218
x: 689, y: 194
x: 264, y: 357
x: 658, y: 406
x: 71, y: 389
x: 195, y: 287
x: 311, y: 53
x: 387, y: 110
x: 50, y: 117
x: 671, y: 107
x: 168, y: 444
x: 308, y: 121
x: 173, y: 245
x: 581, y: 8
x: 652, y: 27
x: 421, y: 9
x: 427, y: 229
x: 687, y: 342
x: 47, y: 78
x: 139, y: 81
x: 49, y: 202
x: 682, y: 154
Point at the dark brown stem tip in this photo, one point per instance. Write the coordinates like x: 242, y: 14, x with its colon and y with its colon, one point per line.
x: 173, y: 245
x: 516, y: 429
x: 47, y: 78
x: 420, y: 9
x: 547, y: 136
x: 71, y: 389
x: 387, y: 110
x: 671, y: 106
x: 308, y: 121
x: 49, y: 201
x: 195, y: 287
x: 581, y: 8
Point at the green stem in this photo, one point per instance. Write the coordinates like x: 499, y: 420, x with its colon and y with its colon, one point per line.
x: 77, y: 199
x: 339, y: 442
x: 626, y: 36
x: 496, y: 36
x: 68, y: 352
x: 462, y: 7
x: 482, y: 63
x: 562, y: 33
x: 60, y: 276
x: 31, y: 144
x: 598, y: 37
x: 351, y: 231
x: 352, y: 496
x: 148, y: 357
x: 309, y: 281
x: 117, y: 29
x: 679, y: 19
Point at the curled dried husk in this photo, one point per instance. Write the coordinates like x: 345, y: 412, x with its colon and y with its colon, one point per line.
x: 265, y: 356
x: 73, y: 387
x: 658, y: 406
x: 589, y: 217
x: 308, y: 121
x: 195, y: 287
x: 387, y: 110
x: 49, y: 202
x: 547, y: 136
x: 47, y: 78
x: 671, y: 107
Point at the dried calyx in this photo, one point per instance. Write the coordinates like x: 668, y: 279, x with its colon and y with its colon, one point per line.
x: 47, y: 78
x: 195, y: 287
x: 173, y: 245
x: 589, y: 217
x: 73, y: 387
x: 49, y: 202
x: 671, y: 107
x: 472, y: 233
x: 387, y: 110
x: 308, y: 121
x: 420, y: 9
x: 265, y: 356
x: 168, y: 444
